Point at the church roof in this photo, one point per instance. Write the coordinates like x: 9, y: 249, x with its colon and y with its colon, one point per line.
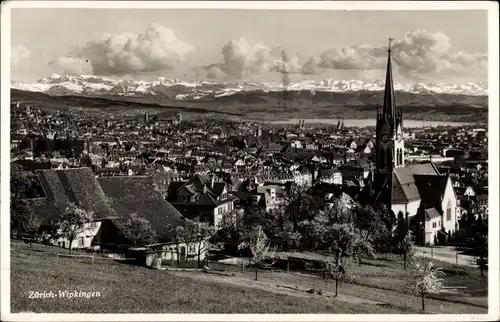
x: 404, y: 188
x: 427, y: 168
x: 431, y: 189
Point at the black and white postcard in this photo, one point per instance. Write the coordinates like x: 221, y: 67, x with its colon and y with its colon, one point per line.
x: 270, y: 160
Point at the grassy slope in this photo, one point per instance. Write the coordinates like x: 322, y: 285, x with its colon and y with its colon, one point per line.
x: 130, y: 289
x: 384, y: 279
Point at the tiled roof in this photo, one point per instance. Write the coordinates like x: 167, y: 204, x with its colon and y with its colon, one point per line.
x: 138, y: 194
x: 431, y: 189
x: 427, y: 168
x: 431, y: 213
x: 74, y: 185
x: 107, y: 196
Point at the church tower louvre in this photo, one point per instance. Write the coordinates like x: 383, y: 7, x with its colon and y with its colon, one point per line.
x: 389, y: 139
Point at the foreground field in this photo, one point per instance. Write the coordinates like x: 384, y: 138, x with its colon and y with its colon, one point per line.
x: 129, y: 289
x: 379, y: 288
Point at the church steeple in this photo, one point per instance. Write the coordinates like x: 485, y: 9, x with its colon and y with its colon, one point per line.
x: 389, y: 142
x: 389, y: 110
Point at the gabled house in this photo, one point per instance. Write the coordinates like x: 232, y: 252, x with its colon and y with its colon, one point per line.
x: 433, y: 224
x: 202, y: 198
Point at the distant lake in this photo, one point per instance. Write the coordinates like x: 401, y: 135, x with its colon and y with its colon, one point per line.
x: 372, y: 122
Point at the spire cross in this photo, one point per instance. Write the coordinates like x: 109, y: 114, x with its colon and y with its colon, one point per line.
x: 390, y: 41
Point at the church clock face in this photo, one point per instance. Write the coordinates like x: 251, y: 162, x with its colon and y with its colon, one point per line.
x: 385, y: 138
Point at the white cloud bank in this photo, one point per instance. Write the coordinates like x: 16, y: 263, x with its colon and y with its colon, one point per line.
x: 420, y: 54
x: 156, y: 49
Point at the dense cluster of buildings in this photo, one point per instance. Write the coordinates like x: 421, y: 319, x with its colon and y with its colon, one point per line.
x: 206, y: 167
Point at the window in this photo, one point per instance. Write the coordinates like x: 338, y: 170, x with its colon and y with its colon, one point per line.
x: 448, y: 211
x: 82, y: 243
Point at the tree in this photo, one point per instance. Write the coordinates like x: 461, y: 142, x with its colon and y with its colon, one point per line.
x: 23, y: 185
x: 137, y: 230
x: 362, y: 247
x: 374, y: 222
x: 187, y: 234
x: 73, y: 222
x: 481, y: 245
x: 260, y: 247
x: 336, y: 270
x: 205, y: 232
x: 389, y: 220
x: 31, y: 226
x: 298, y: 205
x: 407, y: 248
x: 427, y: 280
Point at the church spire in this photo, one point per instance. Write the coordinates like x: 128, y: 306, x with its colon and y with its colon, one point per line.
x: 389, y: 109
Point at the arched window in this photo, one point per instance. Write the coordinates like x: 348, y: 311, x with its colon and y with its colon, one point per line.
x: 389, y: 159
x: 448, y: 211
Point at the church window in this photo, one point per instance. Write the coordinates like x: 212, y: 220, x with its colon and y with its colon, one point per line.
x: 389, y: 159
x: 448, y: 212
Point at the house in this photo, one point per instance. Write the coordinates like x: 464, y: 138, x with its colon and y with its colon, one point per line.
x: 110, y: 199
x: 303, y: 176
x: 170, y: 253
x: 331, y: 176
x: 433, y: 224
x: 203, y: 198
x: 354, y: 170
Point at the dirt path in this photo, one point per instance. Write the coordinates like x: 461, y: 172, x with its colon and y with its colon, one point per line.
x: 276, y: 288
x: 446, y: 254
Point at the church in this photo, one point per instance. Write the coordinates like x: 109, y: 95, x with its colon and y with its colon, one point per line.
x: 421, y: 198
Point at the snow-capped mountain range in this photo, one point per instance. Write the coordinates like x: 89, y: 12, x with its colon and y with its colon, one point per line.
x: 180, y: 90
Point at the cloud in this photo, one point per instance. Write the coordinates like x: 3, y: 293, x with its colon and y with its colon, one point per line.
x: 242, y: 58
x: 156, y: 49
x: 419, y: 54
x: 71, y: 65
x: 424, y: 53
x: 19, y: 56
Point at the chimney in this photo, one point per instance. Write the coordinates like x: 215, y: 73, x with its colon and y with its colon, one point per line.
x: 212, y: 183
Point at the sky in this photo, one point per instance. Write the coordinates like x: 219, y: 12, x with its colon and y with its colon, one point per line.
x: 226, y: 45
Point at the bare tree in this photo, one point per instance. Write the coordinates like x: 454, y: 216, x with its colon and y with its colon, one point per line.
x: 205, y: 232
x: 137, y: 230
x: 187, y: 234
x: 260, y: 247
x: 73, y: 222
x: 427, y: 280
x: 336, y: 270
